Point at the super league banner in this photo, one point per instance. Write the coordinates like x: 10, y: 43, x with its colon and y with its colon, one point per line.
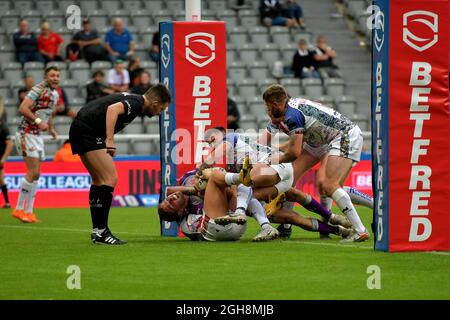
x: 411, y: 125
x: 193, y: 66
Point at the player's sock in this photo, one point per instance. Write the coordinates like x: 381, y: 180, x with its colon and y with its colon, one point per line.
x: 106, y: 195
x: 345, y: 204
x: 31, y: 196
x: 25, y: 189
x: 311, y: 204
x: 326, y: 202
x: 5, y: 193
x: 359, y: 198
x: 323, y: 227
x: 232, y: 179
x: 95, y: 206
x: 244, y: 195
x: 257, y: 211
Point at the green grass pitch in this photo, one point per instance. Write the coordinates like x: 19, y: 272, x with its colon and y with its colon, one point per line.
x: 34, y: 260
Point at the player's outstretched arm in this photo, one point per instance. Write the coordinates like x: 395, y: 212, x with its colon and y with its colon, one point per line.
x: 292, y: 151
x: 112, y: 113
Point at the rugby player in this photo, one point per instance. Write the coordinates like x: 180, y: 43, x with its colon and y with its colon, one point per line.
x: 92, y: 138
x: 37, y: 109
x: 317, y: 134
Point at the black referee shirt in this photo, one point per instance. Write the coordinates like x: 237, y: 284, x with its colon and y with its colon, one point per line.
x: 92, y: 117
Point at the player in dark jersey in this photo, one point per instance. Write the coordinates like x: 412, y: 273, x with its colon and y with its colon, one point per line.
x: 92, y: 137
x: 6, y: 146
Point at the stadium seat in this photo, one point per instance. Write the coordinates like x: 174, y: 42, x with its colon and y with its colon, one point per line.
x: 335, y: 87
x: 143, y: 20
x: 248, y: 53
x: 64, y: 4
x: 12, y: 71
x: 77, y: 102
x: 154, y: 5
x: 247, y: 87
x: 230, y: 18
x: 5, y: 92
x: 110, y: 6
x: 162, y: 15
x: 293, y: 86
x: 4, y: 6
x: 218, y: 6
x: 238, y: 36
x: 312, y: 87
x: 7, y: 54
x: 231, y: 53
x: 240, y: 104
x: 326, y: 101
x: 231, y: 85
x: 62, y: 125
x: 12, y: 111
x: 255, y: 106
x: 10, y: 21
x: 248, y: 18
x: 45, y: 6
x: 264, y: 83
x: 302, y: 35
x: 123, y: 14
x: 156, y: 149
x: 151, y: 125
x: 280, y: 35
x: 287, y: 54
x: 346, y: 105
x: 259, y: 35
x: 237, y: 71
x: 258, y: 70
x: 175, y: 6
x: 270, y: 53
x: 143, y: 147
x: 247, y: 122
x: 88, y: 5
x: 123, y: 146
x: 23, y: 5
x: 99, y: 19
x: 101, y: 65
x: 71, y: 88
x: 132, y: 5
x: 134, y: 127
x: 361, y: 120
x: 56, y: 22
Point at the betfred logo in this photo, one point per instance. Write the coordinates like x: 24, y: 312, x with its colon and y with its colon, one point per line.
x: 379, y: 30
x: 165, y: 50
x: 420, y: 29
x: 200, y: 48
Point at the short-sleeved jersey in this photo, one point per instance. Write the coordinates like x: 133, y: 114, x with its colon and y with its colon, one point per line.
x: 318, y: 123
x: 92, y: 117
x: 44, y: 101
x: 191, y: 223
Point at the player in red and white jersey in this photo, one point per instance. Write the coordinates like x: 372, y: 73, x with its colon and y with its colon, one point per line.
x: 37, y: 110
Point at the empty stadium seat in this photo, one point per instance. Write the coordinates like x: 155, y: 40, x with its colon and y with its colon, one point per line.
x: 50, y: 147
x: 335, y: 87
x: 175, y: 5
x: 259, y: 34
x: 162, y: 15
x: 248, y: 87
x: 154, y: 6
x: 134, y: 127
x: 312, y: 88
x: 23, y: 5
x: 247, y: 122
x: 5, y: 92
x: 56, y: 22
x: 280, y: 35
x: 248, y: 53
x: 287, y: 54
x: 237, y: 71
x: 302, y: 35
x: 264, y: 83
x: 151, y: 125
x: 230, y: 18
x: 258, y: 70
x: 12, y: 72
x: 10, y: 21
x: 248, y: 18
x: 45, y: 6
x: 255, y: 106
x: 99, y: 19
x: 231, y: 53
x: 132, y: 5
x: 218, y: 6
x: 293, y: 86
x: 111, y: 6
x: 80, y: 71
x: 231, y: 85
x: 238, y: 36
x: 270, y: 53
x: 142, y: 147
x: 4, y: 6
x: 88, y: 5
x: 346, y: 105
x: 143, y: 20
x: 71, y: 88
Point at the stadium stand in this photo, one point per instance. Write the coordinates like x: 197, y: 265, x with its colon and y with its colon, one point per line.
x: 255, y: 54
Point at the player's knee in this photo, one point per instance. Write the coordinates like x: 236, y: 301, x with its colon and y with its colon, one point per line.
x: 322, y: 186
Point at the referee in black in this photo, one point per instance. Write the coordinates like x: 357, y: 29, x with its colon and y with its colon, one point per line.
x: 92, y: 137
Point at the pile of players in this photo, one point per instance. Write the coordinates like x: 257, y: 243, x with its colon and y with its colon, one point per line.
x: 259, y: 180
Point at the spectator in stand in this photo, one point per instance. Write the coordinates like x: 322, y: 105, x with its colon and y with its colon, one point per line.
x: 119, y: 42
x: 323, y: 56
x: 97, y: 88
x: 65, y: 154
x: 271, y: 14
x: 144, y: 83
x: 28, y: 82
x: 292, y: 10
x: 87, y: 42
x: 119, y: 78
x: 62, y: 106
x: 233, y: 115
x: 50, y: 44
x: 134, y: 70
x: 303, y: 62
x: 154, y: 49
x: 26, y: 44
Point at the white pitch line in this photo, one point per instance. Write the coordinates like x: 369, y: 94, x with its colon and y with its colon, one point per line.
x: 146, y: 234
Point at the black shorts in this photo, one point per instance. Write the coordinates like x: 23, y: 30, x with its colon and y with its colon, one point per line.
x: 82, y: 140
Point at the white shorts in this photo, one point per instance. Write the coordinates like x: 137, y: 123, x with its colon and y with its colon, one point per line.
x: 30, y: 145
x: 347, y: 145
x: 286, y: 173
x: 214, y: 232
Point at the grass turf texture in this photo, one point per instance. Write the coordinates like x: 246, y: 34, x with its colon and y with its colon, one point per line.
x: 35, y: 257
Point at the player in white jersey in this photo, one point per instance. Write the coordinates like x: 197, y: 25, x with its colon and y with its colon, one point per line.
x: 317, y: 134
x: 37, y: 110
